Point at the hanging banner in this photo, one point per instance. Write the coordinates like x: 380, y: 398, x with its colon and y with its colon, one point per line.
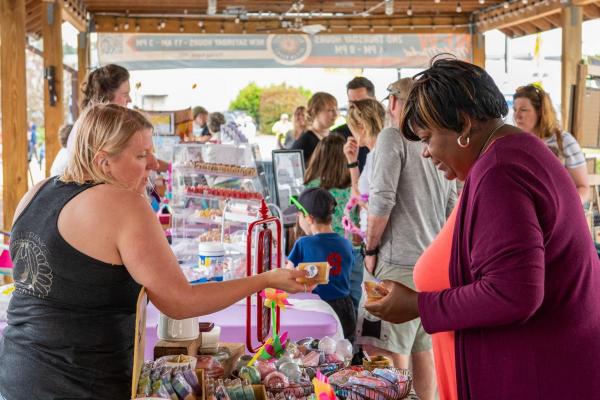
x: 164, y: 51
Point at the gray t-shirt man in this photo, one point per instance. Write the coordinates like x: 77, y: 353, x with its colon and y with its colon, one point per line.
x: 416, y: 196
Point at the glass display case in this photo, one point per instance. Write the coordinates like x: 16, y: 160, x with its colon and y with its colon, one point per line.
x: 288, y: 174
x: 217, y: 192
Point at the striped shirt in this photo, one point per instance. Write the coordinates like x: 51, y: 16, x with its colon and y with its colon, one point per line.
x: 573, y: 156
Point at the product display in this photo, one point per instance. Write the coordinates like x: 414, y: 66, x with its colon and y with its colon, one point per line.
x: 317, y: 273
x: 159, y: 380
x: 221, y: 168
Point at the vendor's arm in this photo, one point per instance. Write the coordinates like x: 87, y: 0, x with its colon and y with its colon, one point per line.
x: 507, y: 259
x: 145, y: 252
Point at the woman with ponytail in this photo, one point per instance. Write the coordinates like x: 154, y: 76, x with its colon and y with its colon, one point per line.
x: 533, y: 112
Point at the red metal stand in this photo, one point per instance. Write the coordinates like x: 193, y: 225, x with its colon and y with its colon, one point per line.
x: 264, y: 251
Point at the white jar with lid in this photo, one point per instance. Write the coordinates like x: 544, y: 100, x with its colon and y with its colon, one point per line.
x: 210, y: 259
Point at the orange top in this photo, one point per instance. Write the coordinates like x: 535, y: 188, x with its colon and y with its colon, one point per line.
x: 431, y: 274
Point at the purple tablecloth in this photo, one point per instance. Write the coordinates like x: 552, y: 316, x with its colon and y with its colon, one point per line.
x: 232, y: 320
x: 299, y: 324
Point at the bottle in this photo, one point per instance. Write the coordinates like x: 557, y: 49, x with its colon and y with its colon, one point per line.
x: 210, y: 259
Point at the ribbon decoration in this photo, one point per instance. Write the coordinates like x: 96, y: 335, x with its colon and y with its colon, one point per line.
x: 275, y: 346
x: 323, y: 389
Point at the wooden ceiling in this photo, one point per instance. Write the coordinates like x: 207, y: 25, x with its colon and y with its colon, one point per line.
x: 513, y: 17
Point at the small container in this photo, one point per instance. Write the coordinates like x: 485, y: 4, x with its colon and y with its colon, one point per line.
x: 211, y: 256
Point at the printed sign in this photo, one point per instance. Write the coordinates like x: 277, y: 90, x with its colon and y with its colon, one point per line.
x: 163, y: 51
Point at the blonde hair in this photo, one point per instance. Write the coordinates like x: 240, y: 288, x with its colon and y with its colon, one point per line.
x: 319, y: 102
x: 547, y: 124
x: 101, y: 127
x: 369, y: 114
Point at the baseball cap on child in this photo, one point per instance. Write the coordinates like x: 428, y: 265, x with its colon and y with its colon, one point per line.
x: 317, y: 202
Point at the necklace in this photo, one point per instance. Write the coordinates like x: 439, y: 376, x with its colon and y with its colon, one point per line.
x: 490, y: 136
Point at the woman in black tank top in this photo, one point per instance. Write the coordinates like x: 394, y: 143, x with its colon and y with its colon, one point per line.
x: 83, y: 244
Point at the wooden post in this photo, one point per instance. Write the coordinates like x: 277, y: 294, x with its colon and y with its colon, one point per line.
x: 578, y: 100
x: 478, y: 45
x: 14, y: 106
x: 571, y: 18
x: 53, y: 72
x: 83, y: 53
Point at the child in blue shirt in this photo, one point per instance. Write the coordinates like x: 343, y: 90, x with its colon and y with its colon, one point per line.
x: 315, y: 208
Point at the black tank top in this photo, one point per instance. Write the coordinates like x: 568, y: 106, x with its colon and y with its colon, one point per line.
x: 71, y: 320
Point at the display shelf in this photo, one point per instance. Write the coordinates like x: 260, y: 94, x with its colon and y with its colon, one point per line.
x: 213, y: 197
x: 200, y: 171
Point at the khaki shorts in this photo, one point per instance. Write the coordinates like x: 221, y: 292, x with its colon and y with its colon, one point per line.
x: 406, y: 338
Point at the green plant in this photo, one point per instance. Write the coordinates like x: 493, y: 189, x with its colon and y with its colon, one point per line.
x: 248, y: 99
x: 278, y: 99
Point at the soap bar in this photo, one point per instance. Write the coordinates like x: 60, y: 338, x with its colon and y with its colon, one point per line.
x: 317, y: 273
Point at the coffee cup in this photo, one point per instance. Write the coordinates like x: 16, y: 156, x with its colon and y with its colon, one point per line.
x: 177, y: 329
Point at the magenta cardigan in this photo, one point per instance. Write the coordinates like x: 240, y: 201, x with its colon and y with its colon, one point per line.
x: 525, y: 281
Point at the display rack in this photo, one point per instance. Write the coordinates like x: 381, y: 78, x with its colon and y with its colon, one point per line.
x: 217, y: 193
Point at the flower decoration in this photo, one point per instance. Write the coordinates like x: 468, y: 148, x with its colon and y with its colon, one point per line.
x: 275, y: 298
x: 323, y: 390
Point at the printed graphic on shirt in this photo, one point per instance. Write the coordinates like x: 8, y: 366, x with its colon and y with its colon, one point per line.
x: 335, y: 260
x: 33, y: 274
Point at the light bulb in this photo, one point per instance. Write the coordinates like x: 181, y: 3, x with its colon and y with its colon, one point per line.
x: 389, y: 7
x: 458, y: 8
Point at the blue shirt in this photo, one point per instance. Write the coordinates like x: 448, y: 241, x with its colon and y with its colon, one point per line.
x: 334, y: 249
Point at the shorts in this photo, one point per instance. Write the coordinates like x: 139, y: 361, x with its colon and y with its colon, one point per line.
x: 406, y: 338
x: 345, y: 311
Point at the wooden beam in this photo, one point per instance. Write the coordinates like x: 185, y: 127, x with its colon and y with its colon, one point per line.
x: 13, y: 96
x: 478, y: 44
x: 53, y: 61
x: 83, y: 62
x: 554, y: 19
x: 571, y: 17
x: 74, y: 16
x: 541, y: 24
x: 583, y: 2
x: 516, y: 14
x: 591, y: 11
x: 441, y: 24
x: 578, y: 101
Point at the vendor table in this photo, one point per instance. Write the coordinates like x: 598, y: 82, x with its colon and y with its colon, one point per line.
x: 308, y: 316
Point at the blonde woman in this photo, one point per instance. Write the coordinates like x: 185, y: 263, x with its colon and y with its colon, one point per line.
x: 533, y: 112
x: 322, y: 112
x: 83, y: 245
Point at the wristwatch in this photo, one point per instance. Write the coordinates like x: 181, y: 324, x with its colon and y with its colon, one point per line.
x: 372, y: 252
x: 352, y: 165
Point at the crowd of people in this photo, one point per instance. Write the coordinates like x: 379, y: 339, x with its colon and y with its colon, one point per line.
x: 490, y: 292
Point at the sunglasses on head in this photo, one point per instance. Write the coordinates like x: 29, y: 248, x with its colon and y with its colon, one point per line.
x: 294, y: 201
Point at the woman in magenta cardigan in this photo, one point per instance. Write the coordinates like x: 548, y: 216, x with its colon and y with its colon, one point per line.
x: 524, y: 300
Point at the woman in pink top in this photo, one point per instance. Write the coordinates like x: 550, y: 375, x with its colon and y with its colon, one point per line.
x: 524, y: 295
x: 432, y: 273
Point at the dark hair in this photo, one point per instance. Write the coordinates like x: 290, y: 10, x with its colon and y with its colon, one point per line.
x: 199, y: 110
x: 547, y: 124
x: 361, y: 82
x: 445, y: 93
x: 101, y: 84
x: 214, y: 122
x: 328, y: 164
x: 63, y: 134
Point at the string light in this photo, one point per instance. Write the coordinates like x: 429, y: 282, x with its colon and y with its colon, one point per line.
x: 237, y: 20
x: 524, y: 1
x: 200, y: 24
x: 437, y: 1
x: 137, y: 26
x: 163, y: 24
x: 506, y: 5
x: 481, y: 1
x: 409, y: 11
x: 389, y: 7
x: 126, y: 25
x: 458, y: 7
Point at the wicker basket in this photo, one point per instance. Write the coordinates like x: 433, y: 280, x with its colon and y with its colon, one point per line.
x: 392, y: 392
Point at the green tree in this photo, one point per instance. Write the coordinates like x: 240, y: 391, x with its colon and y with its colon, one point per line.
x: 278, y: 99
x: 248, y: 99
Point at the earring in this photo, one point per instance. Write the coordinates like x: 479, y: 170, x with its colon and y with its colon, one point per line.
x: 461, y: 144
